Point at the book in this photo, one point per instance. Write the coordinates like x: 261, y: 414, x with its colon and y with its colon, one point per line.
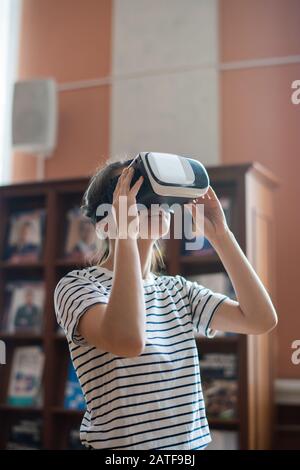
x: 26, y: 376
x: 24, y: 241
x: 200, y: 245
x: 24, y: 307
x: 220, y: 385
x: 25, y: 434
x: 74, y: 398
x: 81, y: 242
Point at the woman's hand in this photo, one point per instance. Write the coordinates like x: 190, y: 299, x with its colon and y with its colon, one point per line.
x: 215, y: 224
x: 124, y: 199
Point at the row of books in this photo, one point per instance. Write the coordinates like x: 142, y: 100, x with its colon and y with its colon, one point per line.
x: 25, y: 301
x: 26, y: 235
x: 25, y: 382
x: 26, y: 434
x: 218, y: 372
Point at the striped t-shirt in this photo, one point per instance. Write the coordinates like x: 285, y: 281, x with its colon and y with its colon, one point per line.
x: 152, y: 401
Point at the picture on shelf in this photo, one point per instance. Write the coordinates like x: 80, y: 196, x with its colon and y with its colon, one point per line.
x: 26, y: 377
x: 220, y: 385
x: 206, y: 248
x: 81, y: 241
x: 74, y: 398
x: 24, y: 307
x: 25, y: 236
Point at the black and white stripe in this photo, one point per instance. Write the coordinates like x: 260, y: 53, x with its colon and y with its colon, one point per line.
x: 155, y: 400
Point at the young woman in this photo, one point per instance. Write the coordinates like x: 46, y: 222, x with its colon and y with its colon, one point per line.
x: 131, y: 331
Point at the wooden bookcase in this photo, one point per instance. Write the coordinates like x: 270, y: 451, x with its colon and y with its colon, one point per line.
x: 251, y: 189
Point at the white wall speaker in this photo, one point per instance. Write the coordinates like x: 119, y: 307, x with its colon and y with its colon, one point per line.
x: 34, y: 117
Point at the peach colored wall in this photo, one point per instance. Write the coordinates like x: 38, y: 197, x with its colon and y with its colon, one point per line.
x: 252, y: 29
x: 69, y: 40
x: 259, y: 122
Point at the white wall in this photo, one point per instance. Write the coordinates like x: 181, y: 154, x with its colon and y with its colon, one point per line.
x: 165, y: 86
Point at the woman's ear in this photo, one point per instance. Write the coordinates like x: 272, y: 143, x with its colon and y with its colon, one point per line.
x: 102, y: 229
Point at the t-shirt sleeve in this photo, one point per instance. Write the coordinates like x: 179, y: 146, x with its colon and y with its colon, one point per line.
x: 74, y: 294
x: 204, y: 304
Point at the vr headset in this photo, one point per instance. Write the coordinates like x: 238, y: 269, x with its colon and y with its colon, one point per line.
x: 168, y: 179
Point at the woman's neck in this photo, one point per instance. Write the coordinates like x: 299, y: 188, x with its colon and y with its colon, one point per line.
x: 145, y: 248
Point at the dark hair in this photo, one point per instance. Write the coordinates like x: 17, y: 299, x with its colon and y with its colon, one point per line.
x: 90, y: 201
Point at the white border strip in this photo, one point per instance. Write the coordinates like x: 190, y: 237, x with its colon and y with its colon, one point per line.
x: 237, y: 65
x: 12, y: 13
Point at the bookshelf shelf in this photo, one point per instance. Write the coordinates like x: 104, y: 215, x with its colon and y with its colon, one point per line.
x: 232, y: 424
x: 64, y: 411
x: 21, y: 337
x: 223, y: 344
x: 59, y: 337
x: 69, y: 262
x: 251, y: 189
x: 20, y: 409
x: 230, y: 339
x: 198, y: 259
x: 10, y: 265
x: 199, y: 265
